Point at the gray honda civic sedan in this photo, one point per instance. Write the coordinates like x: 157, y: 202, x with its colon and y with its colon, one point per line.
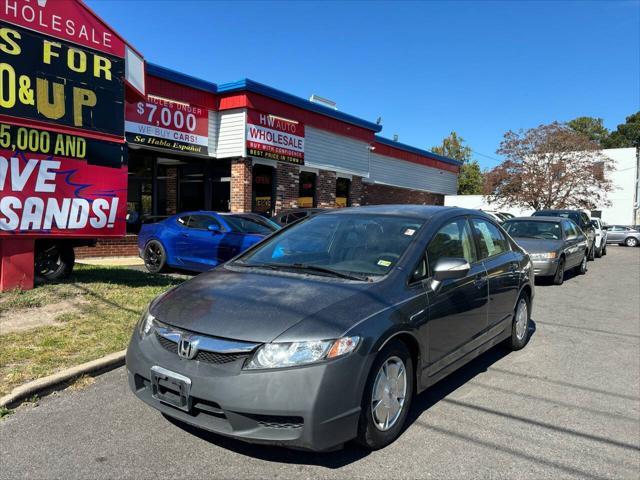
x: 325, y: 331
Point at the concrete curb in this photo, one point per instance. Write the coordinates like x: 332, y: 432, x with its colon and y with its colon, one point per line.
x: 110, y: 361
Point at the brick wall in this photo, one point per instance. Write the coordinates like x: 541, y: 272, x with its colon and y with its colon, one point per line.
x: 356, y: 192
x: 326, y: 189
x: 288, y: 189
x: 384, y: 195
x: 116, y: 247
x: 241, y: 184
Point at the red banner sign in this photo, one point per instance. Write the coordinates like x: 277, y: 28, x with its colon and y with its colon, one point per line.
x: 62, y: 160
x: 74, y: 190
x: 170, y: 124
x: 66, y: 19
x: 276, y: 138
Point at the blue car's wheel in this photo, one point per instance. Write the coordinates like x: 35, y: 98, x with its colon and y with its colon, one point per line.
x: 155, y: 257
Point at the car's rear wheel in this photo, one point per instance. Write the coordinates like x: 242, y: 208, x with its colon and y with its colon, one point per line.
x: 520, y: 325
x: 631, y: 242
x: 155, y: 257
x: 387, y: 397
x: 592, y: 253
x: 558, y: 278
x: 604, y: 250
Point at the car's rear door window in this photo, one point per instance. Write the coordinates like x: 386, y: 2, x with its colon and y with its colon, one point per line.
x: 491, y: 241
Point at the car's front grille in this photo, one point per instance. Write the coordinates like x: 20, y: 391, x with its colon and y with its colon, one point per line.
x: 202, y: 356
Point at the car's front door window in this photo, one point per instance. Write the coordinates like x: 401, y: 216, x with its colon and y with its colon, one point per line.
x: 202, y: 222
x: 452, y: 240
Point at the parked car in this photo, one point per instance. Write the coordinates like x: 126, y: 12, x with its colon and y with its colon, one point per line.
x: 199, y: 241
x: 326, y: 330
x: 581, y: 219
x: 623, y: 235
x: 497, y: 216
x: 601, y: 237
x: 554, y: 244
x: 290, y: 216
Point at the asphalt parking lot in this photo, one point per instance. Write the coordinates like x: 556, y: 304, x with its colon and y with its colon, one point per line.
x: 567, y: 406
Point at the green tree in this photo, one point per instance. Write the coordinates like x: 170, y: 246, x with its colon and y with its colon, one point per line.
x: 470, y: 180
x: 591, y: 127
x: 626, y: 135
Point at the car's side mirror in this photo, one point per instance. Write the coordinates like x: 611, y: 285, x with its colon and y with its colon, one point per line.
x: 447, y: 268
x: 213, y: 228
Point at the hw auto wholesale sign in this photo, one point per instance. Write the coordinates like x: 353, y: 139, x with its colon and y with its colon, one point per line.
x: 62, y: 169
x: 163, y: 123
x: 276, y: 138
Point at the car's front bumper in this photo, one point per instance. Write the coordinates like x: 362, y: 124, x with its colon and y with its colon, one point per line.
x: 545, y: 268
x: 315, y: 407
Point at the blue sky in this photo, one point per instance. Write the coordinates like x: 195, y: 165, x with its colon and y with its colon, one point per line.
x: 427, y: 68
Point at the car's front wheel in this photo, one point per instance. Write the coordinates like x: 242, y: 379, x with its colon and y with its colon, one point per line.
x: 558, y: 278
x: 387, y: 397
x: 155, y: 257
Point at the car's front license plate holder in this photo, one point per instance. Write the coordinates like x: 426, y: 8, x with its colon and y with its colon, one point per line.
x: 171, y: 388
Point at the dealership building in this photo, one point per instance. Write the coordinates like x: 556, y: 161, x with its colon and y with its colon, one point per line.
x: 248, y: 147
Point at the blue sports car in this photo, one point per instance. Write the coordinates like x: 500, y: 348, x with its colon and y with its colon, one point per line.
x: 201, y: 240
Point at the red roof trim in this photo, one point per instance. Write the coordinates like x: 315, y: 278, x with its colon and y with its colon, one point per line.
x: 382, y: 149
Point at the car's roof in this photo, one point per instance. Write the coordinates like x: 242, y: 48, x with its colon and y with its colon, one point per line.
x: 538, y: 219
x: 562, y: 210
x: 420, y: 211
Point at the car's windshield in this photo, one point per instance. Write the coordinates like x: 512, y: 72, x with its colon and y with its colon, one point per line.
x: 247, y: 224
x: 361, y: 244
x: 533, y: 229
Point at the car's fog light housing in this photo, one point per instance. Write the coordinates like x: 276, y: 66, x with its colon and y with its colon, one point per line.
x: 289, y: 354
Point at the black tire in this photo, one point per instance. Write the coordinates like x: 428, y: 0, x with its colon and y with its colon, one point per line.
x: 631, y: 242
x: 54, y: 262
x: 517, y: 341
x: 604, y: 250
x: 592, y: 253
x: 155, y: 257
x: 558, y: 278
x: 599, y: 251
x: 370, y: 435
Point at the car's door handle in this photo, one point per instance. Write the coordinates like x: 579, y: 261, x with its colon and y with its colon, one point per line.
x: 185, y: 234
x: 513, y: 266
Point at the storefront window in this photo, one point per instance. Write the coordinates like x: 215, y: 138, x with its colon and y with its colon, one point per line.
x: 343, y: 185
x: 191, y: 191
x: 306, y: 196
x: 263, y: 189
x: 140, y: 189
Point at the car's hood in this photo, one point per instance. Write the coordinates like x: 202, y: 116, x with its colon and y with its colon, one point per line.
x: 534, y: 245
x: 259, y: 306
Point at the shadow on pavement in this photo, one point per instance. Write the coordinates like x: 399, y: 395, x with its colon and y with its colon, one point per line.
x: 352, y: 453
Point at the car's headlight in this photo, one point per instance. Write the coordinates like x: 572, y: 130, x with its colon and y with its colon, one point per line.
x: 146, y: 324
x: 543, y: 256
x: 278, y: 355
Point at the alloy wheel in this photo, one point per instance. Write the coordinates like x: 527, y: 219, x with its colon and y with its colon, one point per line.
x: 389, y: 393
x: 522, y: 318
x: 153, y: 256
x: 631, y: 242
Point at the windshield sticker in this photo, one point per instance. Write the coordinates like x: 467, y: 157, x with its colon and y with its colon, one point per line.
x: 384, y: 263
x: 409, y: 231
